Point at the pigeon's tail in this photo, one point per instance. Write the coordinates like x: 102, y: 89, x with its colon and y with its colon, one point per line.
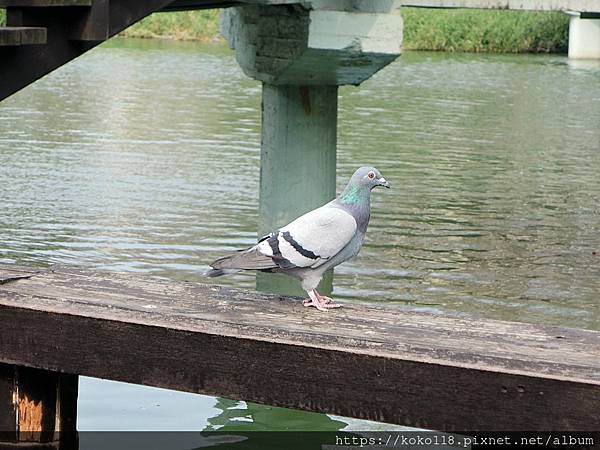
x: 250, y: 259
x: 211, y: 273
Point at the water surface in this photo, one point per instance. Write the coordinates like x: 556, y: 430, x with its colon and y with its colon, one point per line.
x: 144, y: 157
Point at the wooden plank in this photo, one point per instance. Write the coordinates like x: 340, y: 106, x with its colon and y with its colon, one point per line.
x: 8, y: 411
x: 94, y: 24
x: 37, y: 399
x: 191, y: 5
x: 42, y: 3
x: 13, y: 36
x: 369, y: 361
x: 8, y: 277
x: 36, y: 405
x: 23, y: 65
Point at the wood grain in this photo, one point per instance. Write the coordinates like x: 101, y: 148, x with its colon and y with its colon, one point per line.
x: 36, y: 404
x: 24, y: 64
x: 42, y: 3
x: 369, y: 361
x: 14, y: 36
x: 8, y: 411
x: 93, y: 25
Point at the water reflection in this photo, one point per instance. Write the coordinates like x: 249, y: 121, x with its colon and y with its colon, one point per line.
x: 245, y: 416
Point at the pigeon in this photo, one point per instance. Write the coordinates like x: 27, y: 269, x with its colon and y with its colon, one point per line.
x: 314, y: 242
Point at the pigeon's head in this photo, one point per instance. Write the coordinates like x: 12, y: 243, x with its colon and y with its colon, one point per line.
x: 369, y: 177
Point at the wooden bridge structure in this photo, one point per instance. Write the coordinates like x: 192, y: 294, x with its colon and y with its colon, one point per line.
x: 366, y: 361
x: 42, y: 35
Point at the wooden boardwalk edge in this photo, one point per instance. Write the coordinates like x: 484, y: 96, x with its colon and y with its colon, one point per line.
x: 365, y: 361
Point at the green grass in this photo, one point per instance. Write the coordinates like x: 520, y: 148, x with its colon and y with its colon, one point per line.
x: 457, y: 30
x: 200, y: 25
x: 2, y: 17
x: 469, y: 30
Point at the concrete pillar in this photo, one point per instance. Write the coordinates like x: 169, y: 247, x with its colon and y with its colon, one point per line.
x: 302, y: 52
x: 297, y: 163
x: 584, y: 38
x: 298, y: 151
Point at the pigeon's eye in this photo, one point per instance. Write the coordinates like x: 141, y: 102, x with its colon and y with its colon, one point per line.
x: 371, y: 175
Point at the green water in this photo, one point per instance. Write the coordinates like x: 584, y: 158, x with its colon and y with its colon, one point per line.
x: 144, y: 157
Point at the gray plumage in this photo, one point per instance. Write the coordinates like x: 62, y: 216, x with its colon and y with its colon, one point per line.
x: 316, y: 241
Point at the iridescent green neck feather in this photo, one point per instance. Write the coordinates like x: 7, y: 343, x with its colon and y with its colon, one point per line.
x: 355, y: 195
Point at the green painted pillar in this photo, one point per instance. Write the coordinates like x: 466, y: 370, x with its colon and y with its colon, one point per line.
x: 298, y: 162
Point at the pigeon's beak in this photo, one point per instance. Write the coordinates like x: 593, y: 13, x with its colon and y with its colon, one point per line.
x: 383, y: 182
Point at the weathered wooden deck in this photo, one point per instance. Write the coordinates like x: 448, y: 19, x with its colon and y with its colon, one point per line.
x: 367, y: 361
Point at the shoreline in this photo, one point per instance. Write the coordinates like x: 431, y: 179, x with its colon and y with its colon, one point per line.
x: 457, y: 30
x: 446, y: 30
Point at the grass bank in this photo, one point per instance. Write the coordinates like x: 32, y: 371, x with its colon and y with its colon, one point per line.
x: 499, y: 31
x: 200, y: 25
x: 458, y: 30
x: 184, y: 25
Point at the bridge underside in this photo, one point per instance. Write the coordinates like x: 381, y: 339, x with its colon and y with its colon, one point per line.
x: 42, y: 35
x: 188, y: 5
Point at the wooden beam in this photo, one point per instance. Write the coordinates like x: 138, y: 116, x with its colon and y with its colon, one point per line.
x: 36, y: 406
x: 191, y: 5
x: 25, y: 64
x: 8, y: 405
x: 14, y: 36
x: 42, y: 3
x: 370, y: 361
x: 94, y: 24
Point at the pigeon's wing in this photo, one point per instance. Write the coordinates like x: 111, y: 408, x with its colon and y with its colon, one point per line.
x: 311, y: 239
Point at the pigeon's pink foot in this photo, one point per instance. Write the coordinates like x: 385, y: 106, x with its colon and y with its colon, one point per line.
x: 320, y: 302
x: 323, y: 300
x: 328, y: 302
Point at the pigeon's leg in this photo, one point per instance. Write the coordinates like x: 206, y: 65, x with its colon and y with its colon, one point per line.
x: 328, y: 302
x: 319, y: 301
x: 314, y: 301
